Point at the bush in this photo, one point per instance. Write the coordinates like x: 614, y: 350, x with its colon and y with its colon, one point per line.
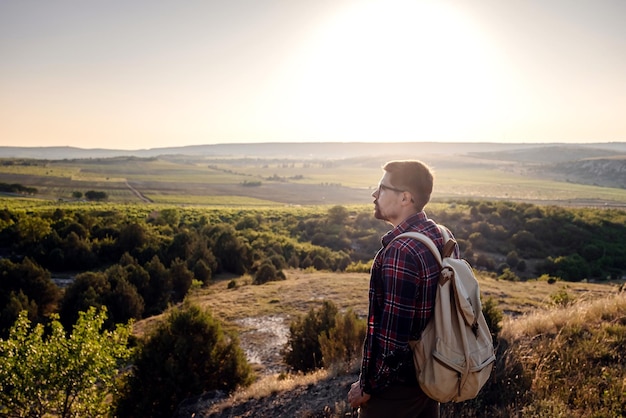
x: 186, y: 355
x: 562, y: 298
x: 493, y: 317
x: 45, y: 373
x: 342, y: 345
x: 303, y: 350
x: 267, y: 273
x: 359, y: 267
x: 508, y: 275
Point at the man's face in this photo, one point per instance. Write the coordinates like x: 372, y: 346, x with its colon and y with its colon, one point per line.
x: 386, y: 200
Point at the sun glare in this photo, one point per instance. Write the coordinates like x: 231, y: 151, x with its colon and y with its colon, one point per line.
x: 396, y: 70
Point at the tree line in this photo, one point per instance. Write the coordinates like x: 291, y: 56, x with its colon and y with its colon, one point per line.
x: 136, y: 262
x: 17, y: 188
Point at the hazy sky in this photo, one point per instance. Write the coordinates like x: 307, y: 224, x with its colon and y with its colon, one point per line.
x: 134, y: 74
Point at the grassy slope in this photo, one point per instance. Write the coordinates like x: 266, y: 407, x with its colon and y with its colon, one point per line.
x: 528, y: 306
x: 305, y: 290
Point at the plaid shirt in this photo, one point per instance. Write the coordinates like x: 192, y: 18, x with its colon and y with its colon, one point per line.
x: 402, y: 291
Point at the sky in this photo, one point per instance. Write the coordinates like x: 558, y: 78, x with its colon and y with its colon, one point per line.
x: 121, y: 74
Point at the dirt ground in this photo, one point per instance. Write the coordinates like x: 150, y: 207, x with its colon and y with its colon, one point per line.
x: 325, y: 399
x: 262, y: 341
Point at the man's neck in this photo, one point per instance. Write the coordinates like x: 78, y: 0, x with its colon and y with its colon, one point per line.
x: 401, y: 218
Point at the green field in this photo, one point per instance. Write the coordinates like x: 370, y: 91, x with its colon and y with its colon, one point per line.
x: 498, y: 184
x: 257, y: 181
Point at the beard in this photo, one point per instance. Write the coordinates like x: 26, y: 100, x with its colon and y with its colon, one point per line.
x: 377, y: 213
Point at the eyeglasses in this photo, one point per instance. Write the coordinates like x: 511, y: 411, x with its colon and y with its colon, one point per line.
x: 385, y: 187
x: 393, y: 189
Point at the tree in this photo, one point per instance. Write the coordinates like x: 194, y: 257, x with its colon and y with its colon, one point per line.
x: 87, y: 290
x: 320, y: 263
x: 202, y: 272
x: 25, y: 285
x: 123, y: 300
x: 181, y: 278
x: 186, y: 355
x: 512, y: 258
x: 96, y: 195
x: 44, y: 373
x: 159, y: 292
x: 182, y: 246
x: 571, y: 268
x: 32, y: 229
x: 132, y: 237
x: 168, y: 216
x: 337, y: 215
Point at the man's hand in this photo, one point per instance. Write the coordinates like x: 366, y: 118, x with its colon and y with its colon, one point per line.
x: 356, y: 396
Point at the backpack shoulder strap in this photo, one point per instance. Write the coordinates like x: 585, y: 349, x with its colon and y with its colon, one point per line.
x: 426, y: 241
x: 448, y: 242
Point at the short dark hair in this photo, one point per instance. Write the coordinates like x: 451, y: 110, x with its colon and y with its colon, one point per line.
x: 413, y: 176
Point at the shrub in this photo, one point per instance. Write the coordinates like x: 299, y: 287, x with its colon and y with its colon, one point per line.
x: 45, y: 373
x: 562, y: 298
x: 303, y: 351
x: 319, y: 263
x: 186, y: 355
x: 359, y: 267
x: 571, y: 268
x: 266, y: 273
x: 342, y: 345
x: 493, y: 317
x: 202, y: 272
x: 508, y: 275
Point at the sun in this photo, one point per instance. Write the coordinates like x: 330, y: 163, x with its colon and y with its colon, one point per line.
x: 389, y: 70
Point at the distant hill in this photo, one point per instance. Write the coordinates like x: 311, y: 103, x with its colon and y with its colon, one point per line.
x: 335, y: 150
x: 552, y: 153
x: 608, y: 172
x: 599, y: 164
x: 593, y: 164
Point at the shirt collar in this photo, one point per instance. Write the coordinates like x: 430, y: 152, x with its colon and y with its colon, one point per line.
x: 411, y: 223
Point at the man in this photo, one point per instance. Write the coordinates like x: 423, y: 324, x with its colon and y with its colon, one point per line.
x: 402, y: 291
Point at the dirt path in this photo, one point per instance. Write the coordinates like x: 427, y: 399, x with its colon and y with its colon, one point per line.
x: 262, y: 341
x: 137, y: 193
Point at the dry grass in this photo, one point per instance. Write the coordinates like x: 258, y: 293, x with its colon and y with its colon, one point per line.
x: 268, y: 385
x: 305, y: 290
x: 568, y: 361
x: 523, y: 297
x: 538, y: 333
x: 584, y: 313
x: 295, y: 296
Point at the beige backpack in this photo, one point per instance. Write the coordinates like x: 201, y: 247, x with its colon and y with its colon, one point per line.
x: 454, y: 355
